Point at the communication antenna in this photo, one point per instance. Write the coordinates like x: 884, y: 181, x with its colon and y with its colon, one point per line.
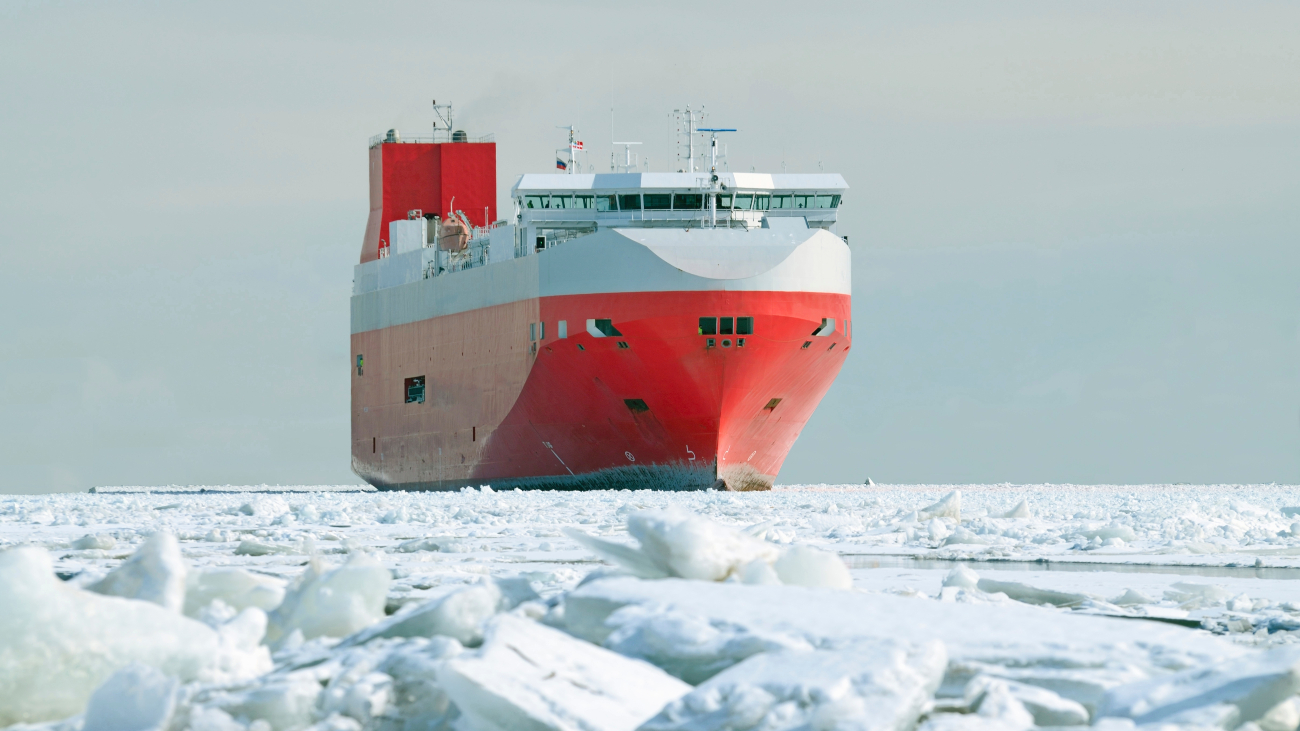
x: 575, y: 145
x: 441, y: 113
x: 627, y: 156
x: 713, y: 145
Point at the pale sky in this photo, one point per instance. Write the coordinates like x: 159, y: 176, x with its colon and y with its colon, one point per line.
x: 1075, y: 227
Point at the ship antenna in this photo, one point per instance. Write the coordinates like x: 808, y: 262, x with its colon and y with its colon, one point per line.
x: 627, y: 155
x: 713, y: 169
x: 573, y: 145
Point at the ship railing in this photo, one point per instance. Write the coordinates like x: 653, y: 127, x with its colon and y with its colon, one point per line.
x: 437, y: 137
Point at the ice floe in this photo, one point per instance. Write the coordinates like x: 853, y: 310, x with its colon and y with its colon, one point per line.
x: 813, y: 608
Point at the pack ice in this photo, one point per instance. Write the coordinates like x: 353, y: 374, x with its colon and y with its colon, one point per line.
x: 484, y: 610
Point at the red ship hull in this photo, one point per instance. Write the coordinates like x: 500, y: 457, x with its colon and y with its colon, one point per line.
x: 654, y: 407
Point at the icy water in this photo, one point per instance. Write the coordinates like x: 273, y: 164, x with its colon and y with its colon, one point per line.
x: 241, y: 598
x: 877, y: 561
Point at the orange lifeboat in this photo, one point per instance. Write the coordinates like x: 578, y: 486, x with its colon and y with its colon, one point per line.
x: 453, y: 234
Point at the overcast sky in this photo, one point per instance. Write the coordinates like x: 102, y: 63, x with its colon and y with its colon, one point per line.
x: 1075, y: 226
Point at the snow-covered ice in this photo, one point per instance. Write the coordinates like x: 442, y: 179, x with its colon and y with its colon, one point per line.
x: 944, y: 607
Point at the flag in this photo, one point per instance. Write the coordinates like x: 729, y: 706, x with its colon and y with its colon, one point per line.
x: 576, y: 145
x: 561, y: 164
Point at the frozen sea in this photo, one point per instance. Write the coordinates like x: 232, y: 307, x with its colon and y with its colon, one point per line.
x: 990, y: 606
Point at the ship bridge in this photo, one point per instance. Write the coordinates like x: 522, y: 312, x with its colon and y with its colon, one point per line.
x: 553, y: 208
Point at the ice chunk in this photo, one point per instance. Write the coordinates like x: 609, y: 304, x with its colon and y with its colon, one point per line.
x: 675, y: 542
x: 58, y: 643
x: 100, y: 541
x: 948, y: 507
x: 459, y: 615
x: 697, y: 629
x: 965, y: 536
x: 1253, y: 684
x: 236, y: 587
x: 154, y: 573
x: 529, y: 676
x: 1046, y: 708
x: 334, y: 602
x: 1031, y: 595
x: 1114, y: 530
x: 135, y: 698
x: 804, y: 566
x: 962, y: 578
x: 760, y: 572
x: 1131, y: 597
x: 881, y: 684
x: 1021, y: 510
x: 1285, y: 716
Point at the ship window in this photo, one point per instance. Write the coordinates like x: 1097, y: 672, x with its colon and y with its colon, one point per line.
x: 725, y: 328
x: 602, y: 328
x: 361, y: 364
x: 636, y: 405
x: 805, y: 201
x: 541, y: 243
x: 711, y: 342
x: 622, y: 345
x: 827, y: 327
x: 584, y: 201
x: 541, y: 331
x: 806, y: 343
x: 561, y: 201
x: 740, y: 342
x: 629, y: 202
x: 780, y: 202
x: 828, y: 201
x: 744, y: 326
x: 726, y: 343
x: 724, y: 202
x: 563, y: 329
x: 832, y: 346
x: 708, y: 326
x: 762, y: 202
x: 687, y: 201
x: 532, y: 331
x: 534, y: 201
x: 744, y: 201
x: 606, y: 203
x: 658, y: 201
x: 580, y: 347
x: 414, y: 390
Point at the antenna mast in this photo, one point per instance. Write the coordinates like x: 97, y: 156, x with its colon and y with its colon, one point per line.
x: 441, y: 113
x: 627, y: 155
x: 713, y: 169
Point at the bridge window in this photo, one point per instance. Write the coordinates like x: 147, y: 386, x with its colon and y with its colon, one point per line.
x: 605, y: 203
x: 724, y: 202
x: 781, y: 202
x: 414, y: 390
x: 805, y: 201
x: 762, y: 202
x: 561, y: 201
x: 658, y: 201
x: 744, y: 326
x: 708, y: 326
x: 688, y: 201
x: 744, y: 201
x: 629, y: 202
x: 535, y: 202
x: 828, y: 201
x: 584, y: 201
x: 725, y: 329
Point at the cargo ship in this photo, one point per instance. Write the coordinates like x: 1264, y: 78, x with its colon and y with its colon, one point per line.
x: 622, y: 330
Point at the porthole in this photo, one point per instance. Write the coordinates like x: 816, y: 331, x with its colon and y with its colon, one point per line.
x: 726, y: 343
